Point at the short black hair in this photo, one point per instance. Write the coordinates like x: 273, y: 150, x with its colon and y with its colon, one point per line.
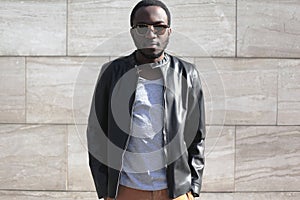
x: 146, y: 3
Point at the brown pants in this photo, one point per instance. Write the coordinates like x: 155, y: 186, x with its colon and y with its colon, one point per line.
x: 126, y: 193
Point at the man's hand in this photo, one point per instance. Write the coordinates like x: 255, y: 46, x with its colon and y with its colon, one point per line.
x: 187, y: 196
x: 190, y: 196
x: 107, y: 198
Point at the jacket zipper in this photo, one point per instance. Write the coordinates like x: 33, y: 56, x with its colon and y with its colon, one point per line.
x: 127, y: 142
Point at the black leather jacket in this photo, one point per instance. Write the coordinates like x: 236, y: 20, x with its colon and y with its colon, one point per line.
x: 183, y: 129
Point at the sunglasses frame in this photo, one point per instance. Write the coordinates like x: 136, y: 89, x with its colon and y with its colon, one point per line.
x: 149, y: 27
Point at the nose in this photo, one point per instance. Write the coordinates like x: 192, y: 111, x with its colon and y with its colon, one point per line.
x: 150, y: 33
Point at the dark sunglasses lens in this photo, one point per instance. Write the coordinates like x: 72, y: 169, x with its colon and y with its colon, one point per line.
x: 141, y: 29
x: 159, y: 29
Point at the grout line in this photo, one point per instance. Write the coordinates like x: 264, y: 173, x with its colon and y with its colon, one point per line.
x: 215, y: 125
x: 107, y: 56
x: 43, y: 124
x: 234, y: 160
x: 262, y: 125
x: 277, y: 96
x: 46, y: 191
x: 236, y: 28
x: 67, y: 157
x: 67, y: 26
x: 56, y: 56
x: 207, y: 192
x: 26, y: 90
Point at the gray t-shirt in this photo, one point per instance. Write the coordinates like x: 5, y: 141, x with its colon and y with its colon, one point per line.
x: 144, y: 161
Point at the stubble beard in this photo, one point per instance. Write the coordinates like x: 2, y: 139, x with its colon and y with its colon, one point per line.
x: 150, y: 55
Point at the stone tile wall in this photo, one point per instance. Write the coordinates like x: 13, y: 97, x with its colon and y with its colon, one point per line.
x: 248, y: 57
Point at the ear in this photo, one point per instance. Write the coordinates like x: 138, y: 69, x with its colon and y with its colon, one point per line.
x: 169, y: 31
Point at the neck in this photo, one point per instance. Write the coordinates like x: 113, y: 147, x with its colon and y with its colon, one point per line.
x: 141, y: 59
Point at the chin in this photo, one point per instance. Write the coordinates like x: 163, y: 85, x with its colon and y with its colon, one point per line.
x: 151, y: 52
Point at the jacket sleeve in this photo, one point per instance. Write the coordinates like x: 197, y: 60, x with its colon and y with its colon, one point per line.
x: 96, y: 135
x: 196, y: 120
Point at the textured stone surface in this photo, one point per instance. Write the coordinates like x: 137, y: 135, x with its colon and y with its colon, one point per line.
x: 242, y: 90
x: 33, y: 157
x: 79, y: 175
x: 220, y: 155
x: 267, y: 158
x: 107, y: 25
x: 32, y: 195
x: 22, y: 195
x: 12, y: 90
x: 214, y: 91
x: 203, y: 28
x: 59, y: 90
x: 268, y: 196
x: 33, y: 27
x: 268, y: 28
x: 289, y: 93
x: 215, y: 196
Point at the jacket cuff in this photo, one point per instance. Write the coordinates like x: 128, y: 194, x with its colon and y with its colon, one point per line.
x: 196, y: 190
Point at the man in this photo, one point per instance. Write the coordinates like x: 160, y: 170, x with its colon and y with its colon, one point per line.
x: 146, y: 127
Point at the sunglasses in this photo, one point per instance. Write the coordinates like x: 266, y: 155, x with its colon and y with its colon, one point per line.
x: 158, y: 29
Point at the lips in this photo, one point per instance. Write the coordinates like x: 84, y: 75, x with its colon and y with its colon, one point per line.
x: 151, y: 45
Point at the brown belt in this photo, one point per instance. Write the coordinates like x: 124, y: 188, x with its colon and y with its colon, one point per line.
x: 126, y: 193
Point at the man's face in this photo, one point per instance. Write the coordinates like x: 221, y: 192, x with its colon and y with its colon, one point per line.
x: 152, y: 42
